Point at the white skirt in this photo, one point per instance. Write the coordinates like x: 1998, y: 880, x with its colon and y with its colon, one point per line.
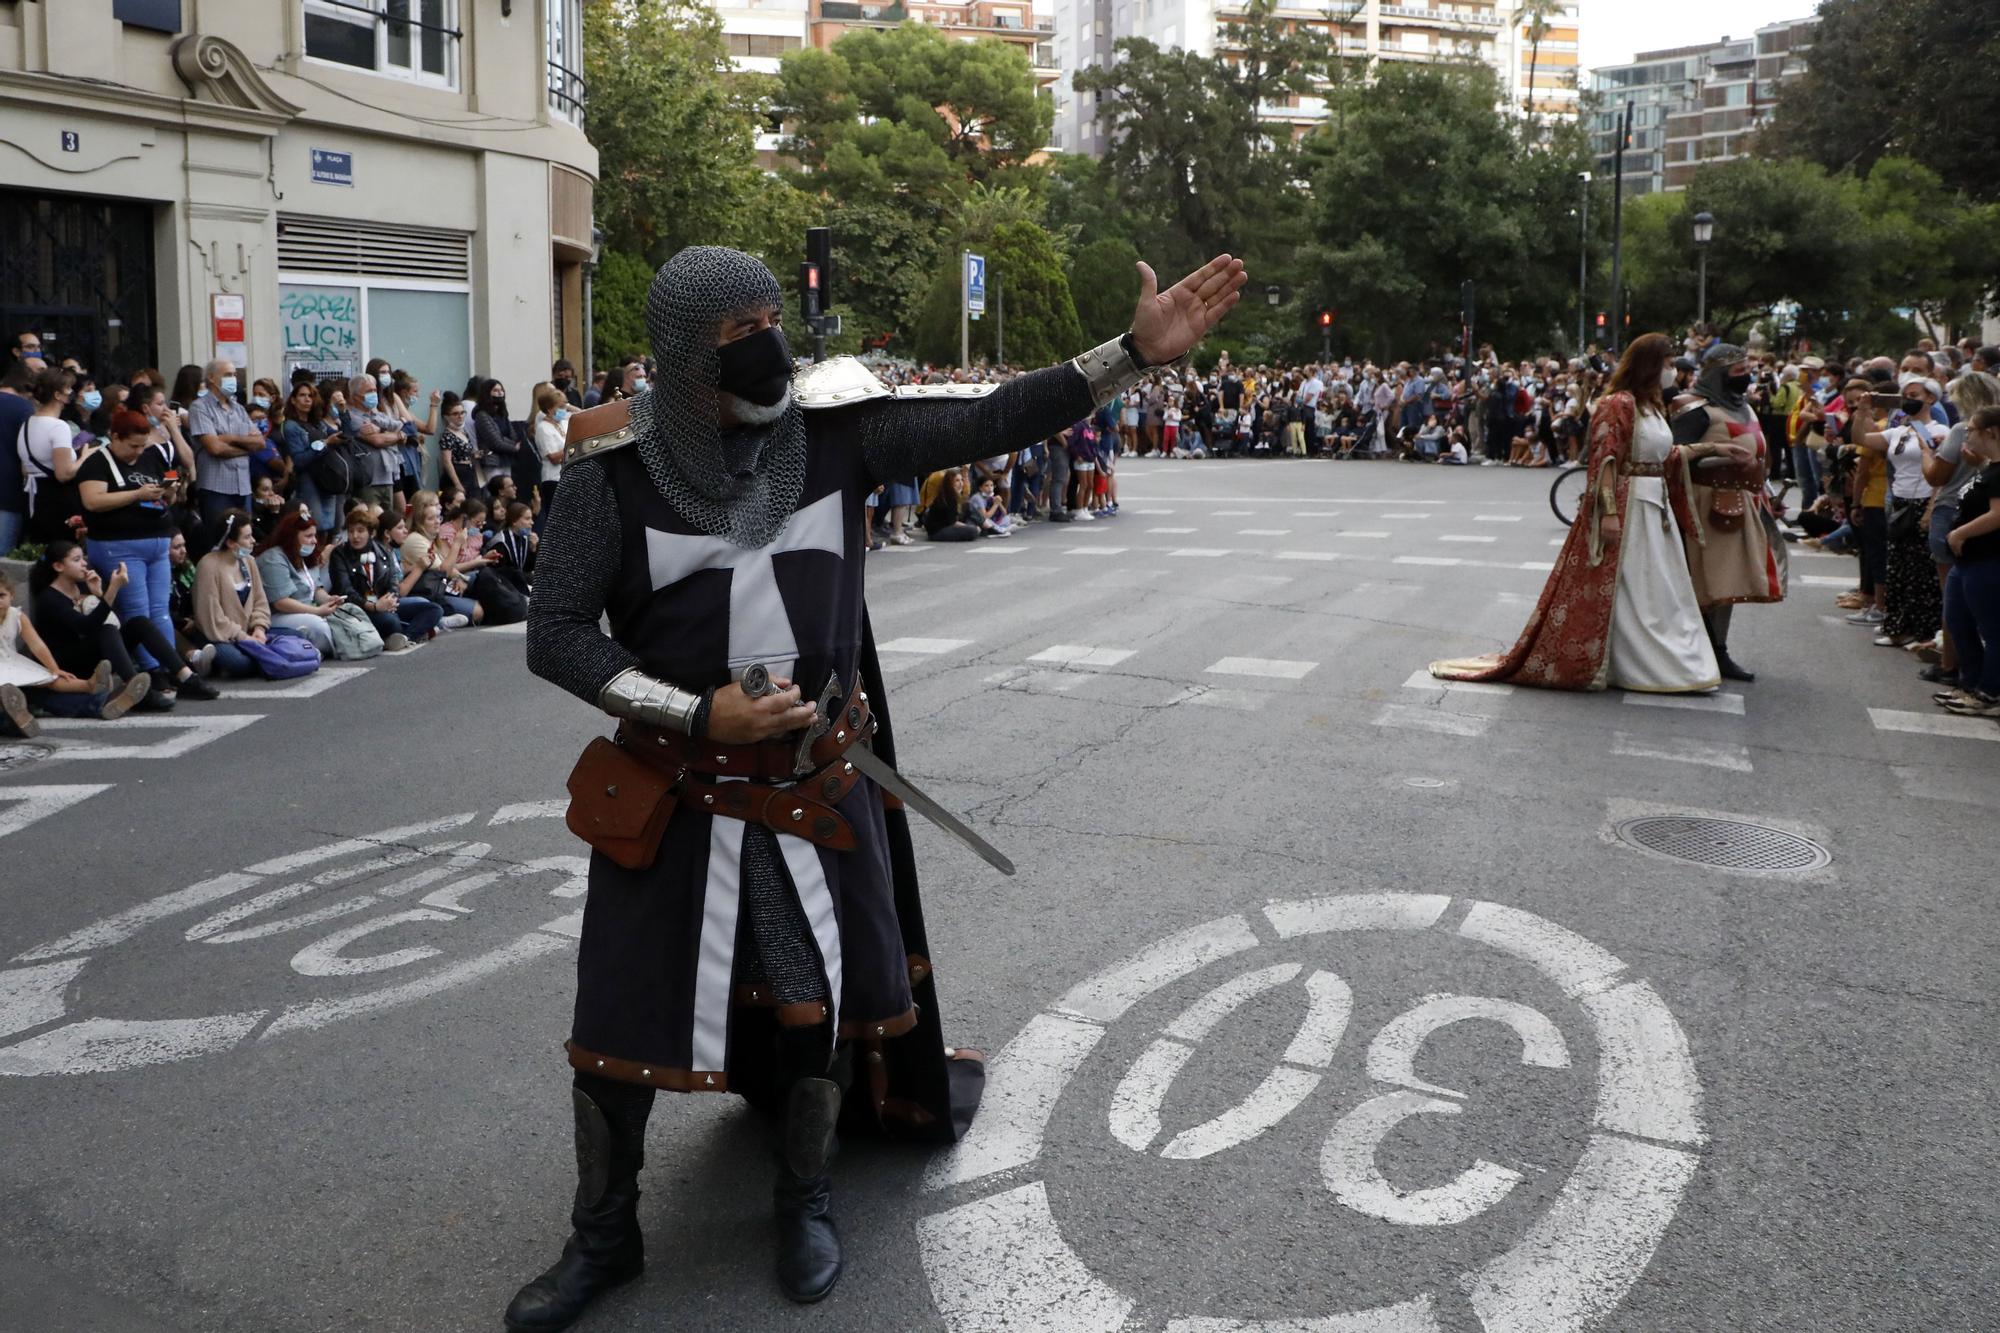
x: 1658, y: 642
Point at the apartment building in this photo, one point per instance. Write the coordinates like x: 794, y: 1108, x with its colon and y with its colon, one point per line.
x: 760, y: 32
x: 296, y: 182
x: 1367, y: 32
x: 1693, y: 105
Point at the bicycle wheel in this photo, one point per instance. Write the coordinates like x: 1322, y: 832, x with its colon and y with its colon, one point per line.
x: 1566, y: 492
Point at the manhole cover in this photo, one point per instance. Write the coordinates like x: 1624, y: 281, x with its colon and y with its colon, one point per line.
x: 1730, y: 843
x: 19, y: 754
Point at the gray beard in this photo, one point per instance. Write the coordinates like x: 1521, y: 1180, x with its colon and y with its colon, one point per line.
x: 748, y: 413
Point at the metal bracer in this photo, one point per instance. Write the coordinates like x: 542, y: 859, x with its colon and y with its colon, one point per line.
x: 642, y: 698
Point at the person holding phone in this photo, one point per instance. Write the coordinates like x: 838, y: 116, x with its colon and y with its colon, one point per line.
x: 291, y: 577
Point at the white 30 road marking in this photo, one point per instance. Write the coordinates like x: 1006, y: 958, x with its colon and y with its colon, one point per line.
x: 999, y: 1259
x: 38, y: 986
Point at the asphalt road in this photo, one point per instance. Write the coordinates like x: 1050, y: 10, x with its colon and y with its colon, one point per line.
x: 1321, y: 992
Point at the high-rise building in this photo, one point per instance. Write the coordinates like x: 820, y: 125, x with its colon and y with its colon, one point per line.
x: 1541, y: 75
x: 1693, y: 105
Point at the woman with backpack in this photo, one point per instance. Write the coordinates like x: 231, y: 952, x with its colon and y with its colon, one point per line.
x: 309, y: 436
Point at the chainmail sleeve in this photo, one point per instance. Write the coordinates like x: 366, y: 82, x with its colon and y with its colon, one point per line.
x: 575, y: 570
x: 913, y: 439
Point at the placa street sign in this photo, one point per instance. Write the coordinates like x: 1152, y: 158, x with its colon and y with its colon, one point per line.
x: 331, y: 168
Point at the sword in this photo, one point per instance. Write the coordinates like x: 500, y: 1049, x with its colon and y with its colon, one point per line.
x: 889, y: 780
x: 757, y: 683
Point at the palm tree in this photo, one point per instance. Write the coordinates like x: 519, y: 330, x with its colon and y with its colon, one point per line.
x: 1537, y: 13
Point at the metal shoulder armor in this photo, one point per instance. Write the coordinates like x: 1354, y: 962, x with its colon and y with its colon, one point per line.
x: 839, y: 381
x: 599, y: 430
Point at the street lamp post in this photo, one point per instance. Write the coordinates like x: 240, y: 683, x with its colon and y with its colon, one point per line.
x: 1704, y: 232
x: 1583, y: 264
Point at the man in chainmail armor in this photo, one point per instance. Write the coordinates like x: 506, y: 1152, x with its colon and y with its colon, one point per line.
x: 1730, y: 552
x: 758, y: 929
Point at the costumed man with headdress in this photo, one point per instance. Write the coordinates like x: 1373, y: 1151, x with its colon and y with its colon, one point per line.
x: 753, y: 923
x: 1737, y: 556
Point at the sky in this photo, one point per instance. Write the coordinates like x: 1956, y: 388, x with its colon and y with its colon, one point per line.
x: 1613, y: 31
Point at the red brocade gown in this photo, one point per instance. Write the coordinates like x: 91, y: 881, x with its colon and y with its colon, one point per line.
x: 1619, y: 608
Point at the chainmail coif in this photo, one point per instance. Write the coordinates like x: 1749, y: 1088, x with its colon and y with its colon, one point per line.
x: 743, y: 483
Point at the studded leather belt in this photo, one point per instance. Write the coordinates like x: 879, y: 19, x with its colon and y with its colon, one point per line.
x: 1645, y: 469
x: 804, y: 808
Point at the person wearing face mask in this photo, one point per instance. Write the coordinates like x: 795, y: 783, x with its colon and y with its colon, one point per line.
x: 1734, y: 556
x: 551, y: 412
x: 230, y: 604
x: 370, y: 421
x: 563, y: 375
x: 1619, y: 609
x: 718, y: 520
x: 224, y: 438
x: 501, y: 453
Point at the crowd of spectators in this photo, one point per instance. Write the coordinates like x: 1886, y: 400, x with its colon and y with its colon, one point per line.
x: 228, y: 526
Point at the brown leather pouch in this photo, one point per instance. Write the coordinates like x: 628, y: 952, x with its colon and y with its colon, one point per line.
x: 619, y: 804
x: 1726, y: 510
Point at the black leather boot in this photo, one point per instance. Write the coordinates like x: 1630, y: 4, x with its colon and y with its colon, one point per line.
x: 808, y: 1246
x: 1730, y: 668
x: 604, y: 1249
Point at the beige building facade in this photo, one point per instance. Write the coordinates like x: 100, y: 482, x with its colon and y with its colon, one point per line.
x: 297, y: 182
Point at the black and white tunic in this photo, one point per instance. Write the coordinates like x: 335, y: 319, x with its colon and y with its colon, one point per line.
x: 666, y: 953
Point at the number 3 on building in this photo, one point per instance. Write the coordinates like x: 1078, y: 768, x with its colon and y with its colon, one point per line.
x: 1347, y: 1161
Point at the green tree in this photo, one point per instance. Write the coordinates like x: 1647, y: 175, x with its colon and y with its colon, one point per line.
x: 1429, y: 187
x: 1268, y: 55
x: 1103, y: 279
x: 673, y: 124
x: 1041, y: 322
x: 618, y: 307
x: 1899, y: 78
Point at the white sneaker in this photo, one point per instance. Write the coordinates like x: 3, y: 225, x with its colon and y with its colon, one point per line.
x: 1083, y: 516
x: 395, y: 643
x: 203, y: 660
x: 454, y: 622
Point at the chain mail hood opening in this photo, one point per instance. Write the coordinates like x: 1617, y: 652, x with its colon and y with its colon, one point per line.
x: 740, y: 483
x: 1713, y: 382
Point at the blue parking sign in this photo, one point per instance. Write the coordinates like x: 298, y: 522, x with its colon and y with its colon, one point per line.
x: 975, y: 284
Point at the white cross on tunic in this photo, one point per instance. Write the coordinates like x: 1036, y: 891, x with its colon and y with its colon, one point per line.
x: 760, y: 628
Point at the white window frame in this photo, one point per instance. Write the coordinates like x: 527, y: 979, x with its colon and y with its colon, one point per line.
x: 347, y: 12
x: 564, y: 29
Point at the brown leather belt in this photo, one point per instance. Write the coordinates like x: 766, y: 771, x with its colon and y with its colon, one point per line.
x: 804, y: 808
x: 770, y: 761
x: 1645, y: 470
x: 1736, y: 485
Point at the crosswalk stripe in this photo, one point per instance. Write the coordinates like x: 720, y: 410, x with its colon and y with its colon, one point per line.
x: 1463, y: 537
x: 1324, y: 556
x: 22, y: 806
x: 1407, y: 516
x: 1558, y: 541
x: 1313, y: 513
x: 1543, y: 565
x: 1427, y: 560
x: 193, y: 733
x: 1405, y: 718
x: 1680, y: 750
x: 1273, y: 668
x: 1172, y: 532
x: 1350, y: 532
x: 1496, y: 518
x: 306, y: 687
x: 1199, y: 552
x: 1929, y: 724
x: 1697, y: 703
x: 1826, y: 580
x: 994, y: 548
x: 1263, y: 532
x: 1082, y: 655
x: 926, y: 646
x: 1235, y: 513
x: 1097, y: 550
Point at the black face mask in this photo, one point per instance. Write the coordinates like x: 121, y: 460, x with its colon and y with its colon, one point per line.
x: 1914, y: 407
x: 757, y: 369
x: 1738, y: 383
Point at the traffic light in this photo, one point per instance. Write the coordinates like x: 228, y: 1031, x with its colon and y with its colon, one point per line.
x: 1602, y: 320
x: 819, y: 253
x: 1326, y: 319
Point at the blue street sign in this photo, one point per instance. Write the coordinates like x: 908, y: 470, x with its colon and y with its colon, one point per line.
x: 331, y: 168
x: 975, y: 284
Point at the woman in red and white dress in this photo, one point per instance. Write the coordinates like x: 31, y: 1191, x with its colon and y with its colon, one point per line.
x: 1620, y: 609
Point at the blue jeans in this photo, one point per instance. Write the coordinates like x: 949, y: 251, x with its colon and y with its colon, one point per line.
x: 150, y: 583
x: 12, y: 524
x: 325, y: 508
x: 457, y: 606
x: 233, y: 661
x: 214, y: 504
x: 1972, y: 616
x: 1805, y: 467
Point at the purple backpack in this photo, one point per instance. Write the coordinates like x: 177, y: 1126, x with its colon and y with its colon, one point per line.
x: 285, y: 656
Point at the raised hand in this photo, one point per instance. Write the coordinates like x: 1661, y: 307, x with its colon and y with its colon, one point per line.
x: 1169, y: 323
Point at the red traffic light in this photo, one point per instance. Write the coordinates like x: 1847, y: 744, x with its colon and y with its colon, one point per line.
x: 1326, y: 319
x: 1601, y: 321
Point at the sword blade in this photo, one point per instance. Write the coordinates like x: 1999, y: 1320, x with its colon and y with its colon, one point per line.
x: 899, y: 787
